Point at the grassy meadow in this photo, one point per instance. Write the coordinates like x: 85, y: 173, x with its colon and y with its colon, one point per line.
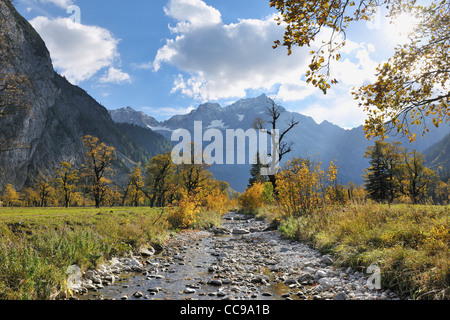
x: 37, y: 245
x: 409, y: 243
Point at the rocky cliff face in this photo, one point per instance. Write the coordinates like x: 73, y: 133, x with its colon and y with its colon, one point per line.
x: 57, y: 114
x: 128, y: 115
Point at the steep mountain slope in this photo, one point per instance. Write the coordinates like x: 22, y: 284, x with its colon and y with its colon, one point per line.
x: 57, y: 114
x: 438, y: 155
x: 324, y: 142
x: 150, y: 141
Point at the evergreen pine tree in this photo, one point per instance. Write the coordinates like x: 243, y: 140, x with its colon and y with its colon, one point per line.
x: 255, y: 172
x: 377, y: 178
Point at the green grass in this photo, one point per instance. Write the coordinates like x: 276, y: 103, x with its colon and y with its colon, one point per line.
x: 38, y: 245
x: 409, y: 243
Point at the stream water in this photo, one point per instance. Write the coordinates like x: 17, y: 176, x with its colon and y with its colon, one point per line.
x: 247, y: 261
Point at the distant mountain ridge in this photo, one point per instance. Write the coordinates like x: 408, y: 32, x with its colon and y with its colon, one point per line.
x: 324, y: 142
x: 129, y: 115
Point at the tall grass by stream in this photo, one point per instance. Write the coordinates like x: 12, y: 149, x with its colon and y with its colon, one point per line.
x: 38, y: 245
x: 409, y: 243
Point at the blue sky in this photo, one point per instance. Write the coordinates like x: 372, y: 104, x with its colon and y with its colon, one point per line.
x: 165, y: 57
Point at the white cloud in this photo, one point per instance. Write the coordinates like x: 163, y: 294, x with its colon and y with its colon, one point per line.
x: 222, y: 61
x: 192, y: 13
x: 162, y: 113
x: 78, y: 51
x: 143, y: 66
x: 358, y: 71
x: 338, y: 107
x: 294, y: 91
x: 60, y: 3
x: 115, y: 76
x: 218, y: 61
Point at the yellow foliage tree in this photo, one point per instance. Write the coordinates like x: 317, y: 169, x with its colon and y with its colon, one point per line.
x: 30, y: 197
x: 443, y: 192
x: 98, y: 159
x: 112, y: 197
x: 415, y: 177
x: 253, y: 198
x: 160, y: 175
x: 184, y: 214
x: 304, y: 187
x: 10, y: 196
x: 45, y: 191
x: 216, y: 200
x: 66, y: 179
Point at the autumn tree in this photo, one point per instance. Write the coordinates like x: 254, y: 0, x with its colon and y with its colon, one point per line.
x: 45, y: 190
x: 416, y: 177
x: 160, y: 175
x: 136, y: 184
x: 253, y: 198
x: 303, y: 187
x: 393, y: 161
x: 192, y: 176
x: 442, y: 192
x: 66, y: 178
x: 410, y: 87
x: 10, y: 196
x: 355, y: 193
x: 192, y: 189
x: 124, y: 190
x: 97, y: 169
x: 30, y: 197
x: 112, y: 197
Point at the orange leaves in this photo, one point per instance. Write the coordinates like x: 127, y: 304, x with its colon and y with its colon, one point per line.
x: 253, y: 198
x: 185, y: 213
x: 196, y: 192
x: 190, y: 205
x: 216, y: 201
x: 304, y: 187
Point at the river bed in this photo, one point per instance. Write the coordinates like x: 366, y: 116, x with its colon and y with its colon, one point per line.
x: 242, y: 260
